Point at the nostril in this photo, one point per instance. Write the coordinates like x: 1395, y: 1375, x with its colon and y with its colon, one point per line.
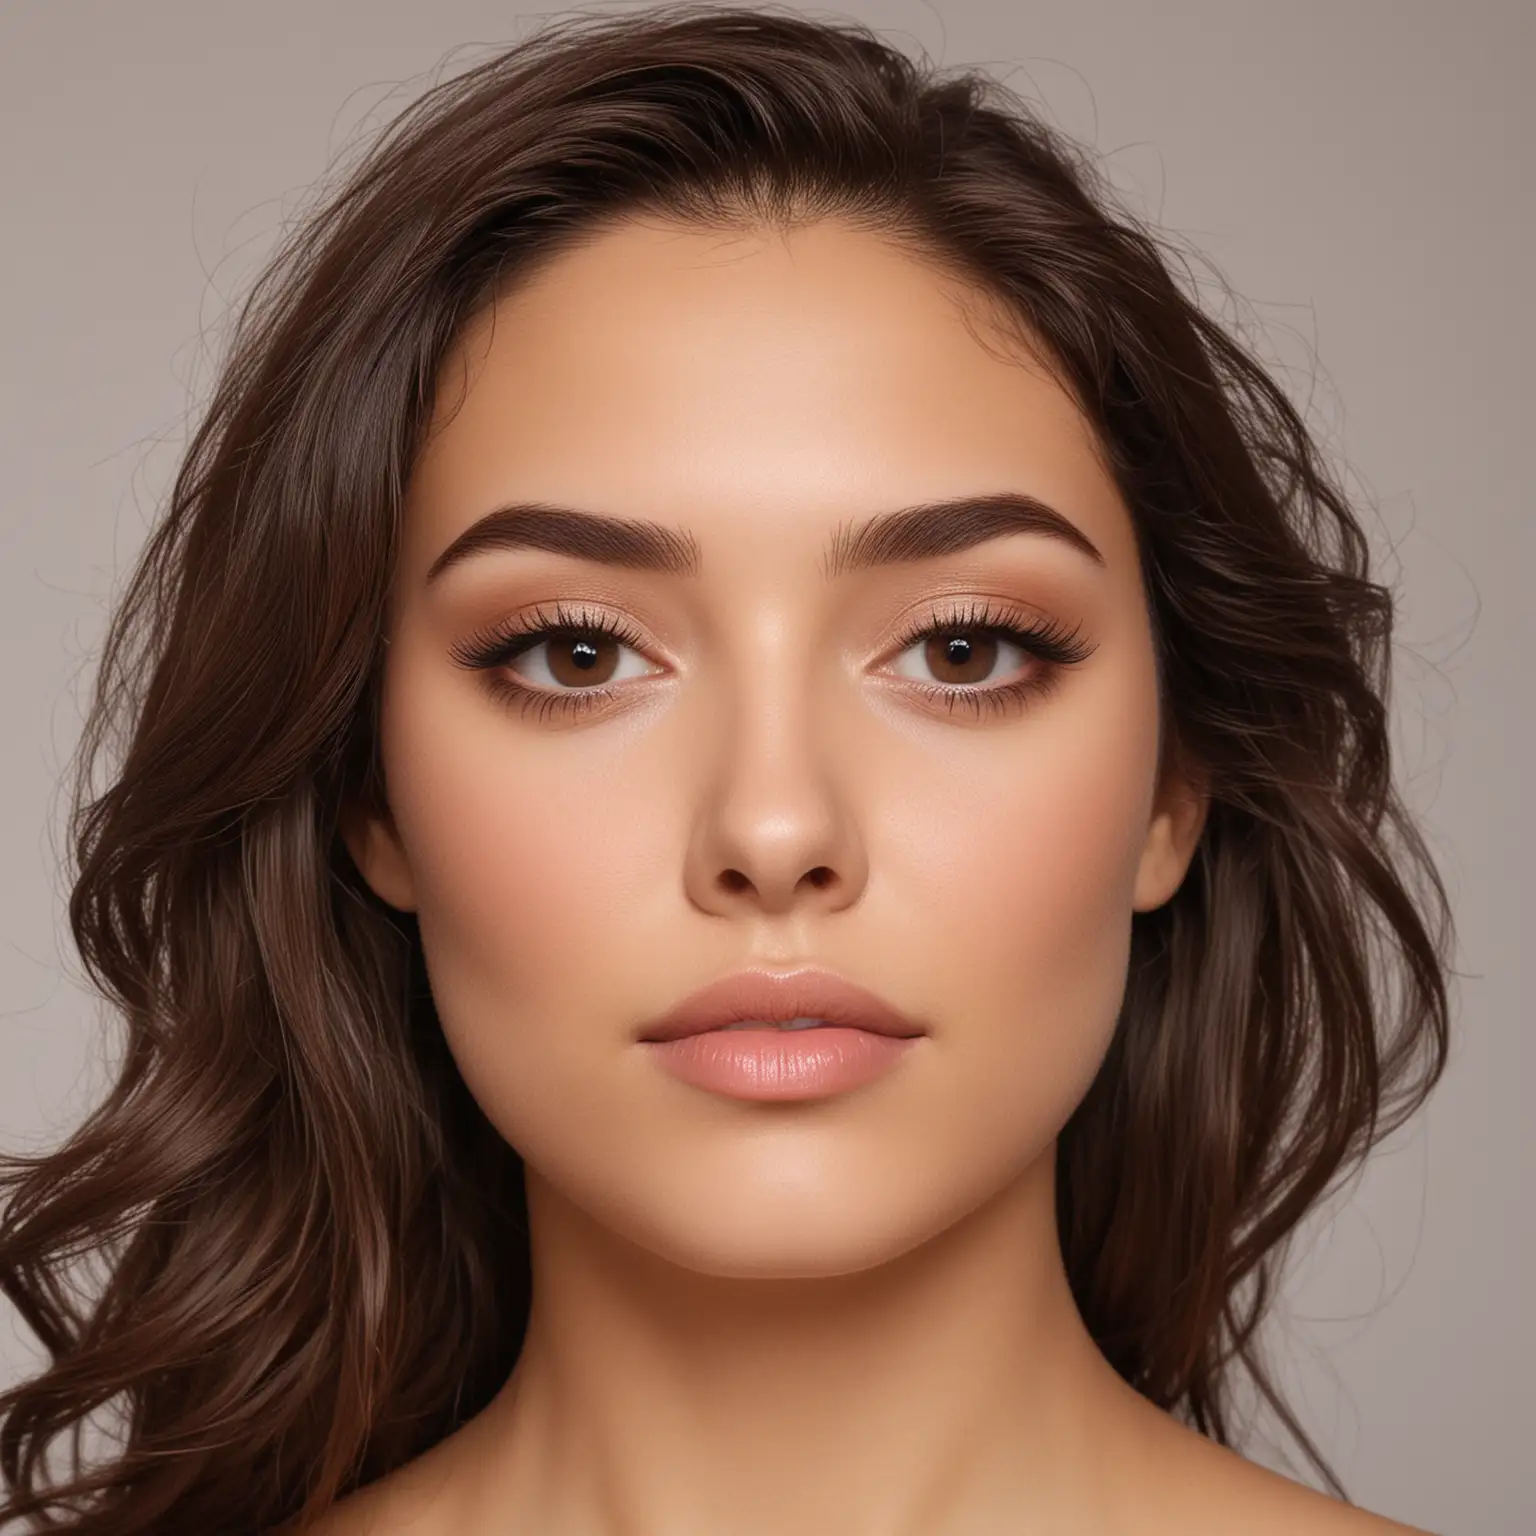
x: 735, y: 882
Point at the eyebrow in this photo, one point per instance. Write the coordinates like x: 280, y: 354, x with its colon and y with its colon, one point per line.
x: 919, y: 532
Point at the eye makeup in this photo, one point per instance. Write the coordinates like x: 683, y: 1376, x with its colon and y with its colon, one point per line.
x: 583, y: 643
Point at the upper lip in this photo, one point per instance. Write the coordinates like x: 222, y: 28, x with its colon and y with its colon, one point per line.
x: 776, y: 997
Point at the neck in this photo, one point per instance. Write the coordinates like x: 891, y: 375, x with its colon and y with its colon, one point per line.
x: 941, y: 1390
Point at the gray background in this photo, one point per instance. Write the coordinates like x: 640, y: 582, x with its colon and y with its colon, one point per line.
x: 1359, y: 170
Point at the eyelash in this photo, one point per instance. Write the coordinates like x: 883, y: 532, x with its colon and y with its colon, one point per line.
x: 1049, y: 643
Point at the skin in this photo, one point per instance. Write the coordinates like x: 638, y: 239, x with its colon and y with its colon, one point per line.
x: 852, y: 1315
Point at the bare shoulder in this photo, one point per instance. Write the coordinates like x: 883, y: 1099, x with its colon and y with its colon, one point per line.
x: 1278, y: 1504
x: 414, y: 1501
x: 1200, y: 1488
x: 1283, y: 1505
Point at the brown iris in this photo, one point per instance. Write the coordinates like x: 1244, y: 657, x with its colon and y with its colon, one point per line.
x: 970, y: 657
x: 582, y: 660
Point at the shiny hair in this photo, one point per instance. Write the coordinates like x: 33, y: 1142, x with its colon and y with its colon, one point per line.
x: 309, y: 1246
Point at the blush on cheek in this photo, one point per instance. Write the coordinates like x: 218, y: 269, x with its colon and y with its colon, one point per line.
x: 530, y: 866
x: 521, y: 891
x: 1041, y: 885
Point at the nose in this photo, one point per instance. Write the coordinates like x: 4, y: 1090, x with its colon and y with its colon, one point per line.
x: 774, y: 829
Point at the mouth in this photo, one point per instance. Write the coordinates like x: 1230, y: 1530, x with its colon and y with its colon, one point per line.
x: 781, y: 1000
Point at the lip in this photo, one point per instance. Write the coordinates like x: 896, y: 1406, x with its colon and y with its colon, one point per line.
x: 777, y: 997
x: 863, y: 1037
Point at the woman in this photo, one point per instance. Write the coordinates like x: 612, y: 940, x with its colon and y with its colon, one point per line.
x: 755, y: 832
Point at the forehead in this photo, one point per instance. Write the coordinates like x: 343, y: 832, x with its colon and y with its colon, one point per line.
x: 751, y: 387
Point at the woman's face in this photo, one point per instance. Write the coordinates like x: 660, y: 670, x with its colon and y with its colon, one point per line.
x: 767, y: 772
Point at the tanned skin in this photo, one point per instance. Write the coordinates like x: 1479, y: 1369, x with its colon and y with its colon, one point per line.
x: 848, y: 1316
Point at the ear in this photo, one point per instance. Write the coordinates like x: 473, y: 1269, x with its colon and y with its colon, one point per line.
x: 375, y: 847
x: 1178, y: 819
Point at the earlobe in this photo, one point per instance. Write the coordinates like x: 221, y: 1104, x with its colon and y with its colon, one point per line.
x: 1172, y: 838
x: 375, y: 847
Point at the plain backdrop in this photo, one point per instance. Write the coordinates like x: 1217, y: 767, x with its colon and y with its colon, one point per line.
x: 1360, y: 172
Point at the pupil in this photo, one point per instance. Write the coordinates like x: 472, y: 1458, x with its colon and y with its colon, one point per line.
x: 584, y: 654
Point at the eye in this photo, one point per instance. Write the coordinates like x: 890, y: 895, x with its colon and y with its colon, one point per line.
x: 557, y: 663
x: 565, y: 663
x: 988, y: 659
x: 577, y: 659
x: 961, y: 658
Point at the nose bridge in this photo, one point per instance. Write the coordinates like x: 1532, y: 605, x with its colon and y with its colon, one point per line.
x: 774, y: 826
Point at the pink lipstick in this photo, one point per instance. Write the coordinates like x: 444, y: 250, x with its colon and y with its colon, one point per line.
x: 780, y: 1036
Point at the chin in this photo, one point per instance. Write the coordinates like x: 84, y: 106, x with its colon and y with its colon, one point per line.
x: 788, y: 1213
x: 789, y: 1242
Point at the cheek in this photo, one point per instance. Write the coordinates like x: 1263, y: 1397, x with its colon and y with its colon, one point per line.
x: 1026, y: 864
x: 527, y: 859
x: 1060, y: 863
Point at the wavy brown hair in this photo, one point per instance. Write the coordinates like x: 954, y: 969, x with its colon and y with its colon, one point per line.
x: 288, y: 1253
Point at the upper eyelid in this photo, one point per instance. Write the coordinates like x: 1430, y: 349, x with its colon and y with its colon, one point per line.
x: 969, y: 612
x: 958, y: 611
x: 982, y: 614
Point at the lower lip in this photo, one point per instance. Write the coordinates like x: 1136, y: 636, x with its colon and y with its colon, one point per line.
x: 780, y: 1063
